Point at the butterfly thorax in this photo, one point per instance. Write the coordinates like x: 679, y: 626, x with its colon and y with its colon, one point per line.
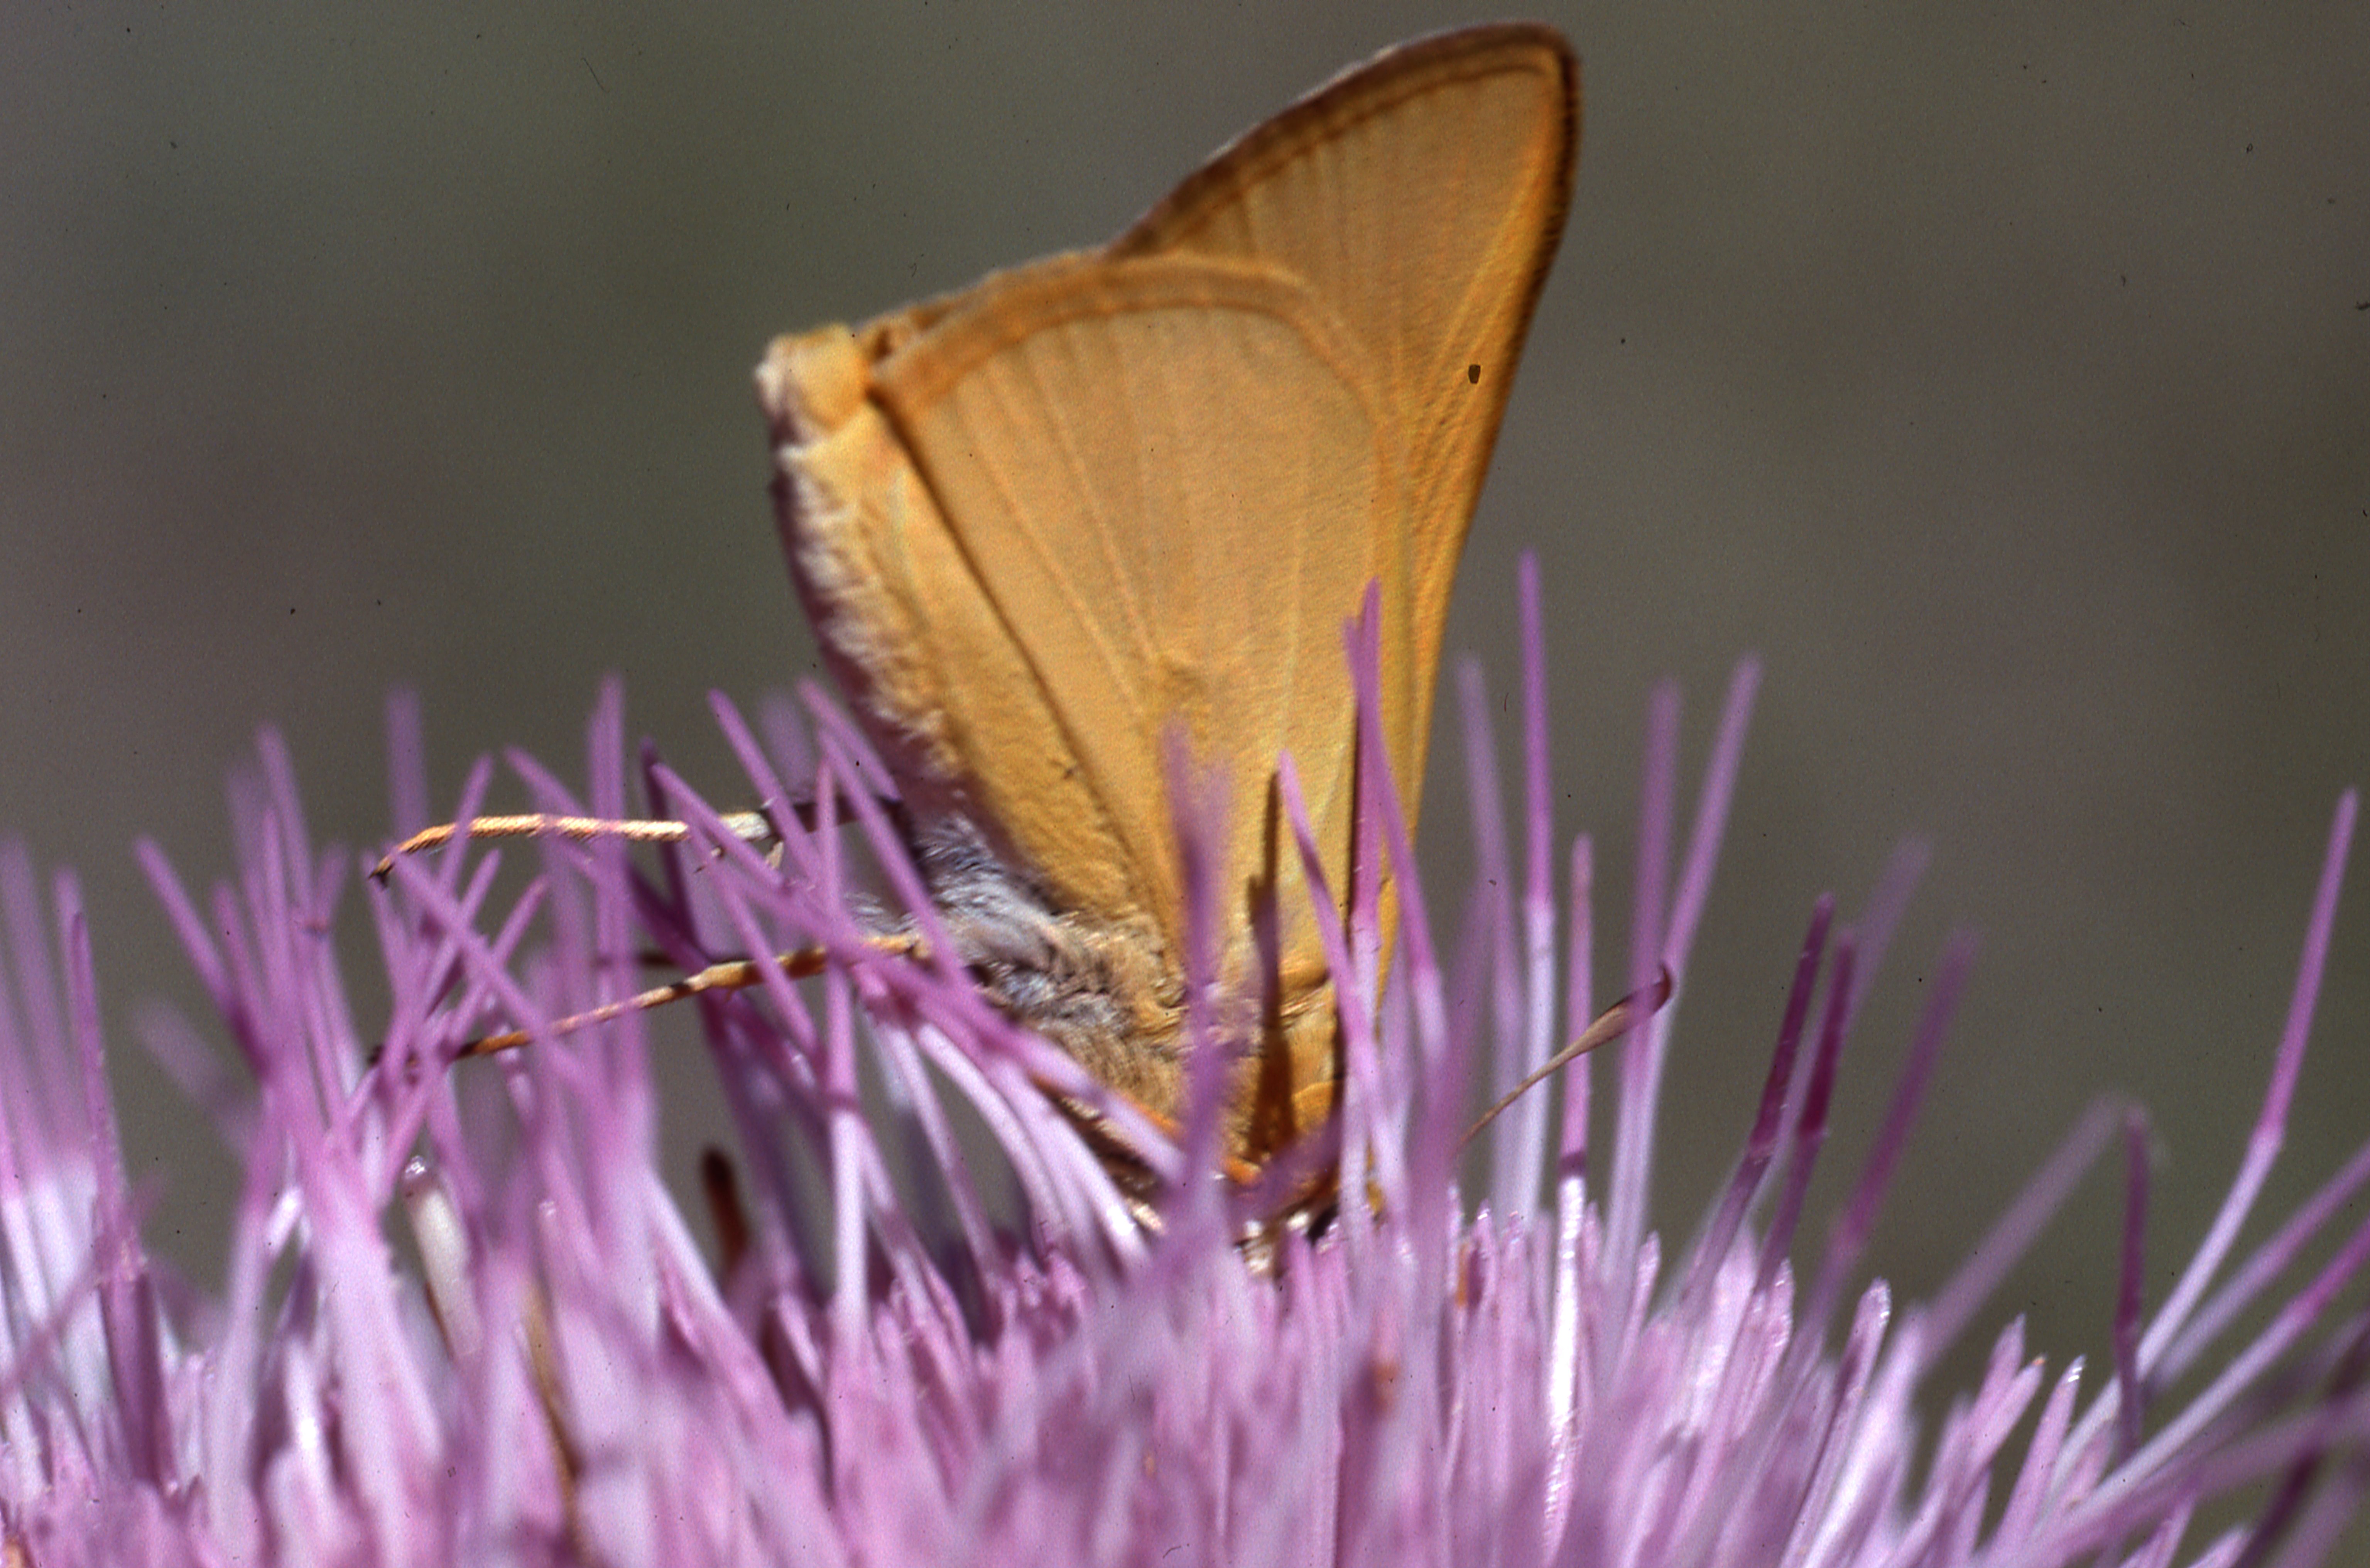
x: 1105, y: 992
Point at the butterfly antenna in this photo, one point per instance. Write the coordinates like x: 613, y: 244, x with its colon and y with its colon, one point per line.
x: 734, y: 974
x: 751, y: 827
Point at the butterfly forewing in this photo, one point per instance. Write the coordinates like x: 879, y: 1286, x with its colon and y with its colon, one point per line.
x: 1420, y: 197
x: 1166, y: 480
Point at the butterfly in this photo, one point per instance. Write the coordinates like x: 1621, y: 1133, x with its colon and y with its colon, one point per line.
x: 1049, y: 526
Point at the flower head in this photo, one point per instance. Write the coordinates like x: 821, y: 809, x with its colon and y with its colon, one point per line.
x: 887, y: 1365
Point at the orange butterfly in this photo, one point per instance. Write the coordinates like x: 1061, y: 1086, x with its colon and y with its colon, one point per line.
x: 1043, y: 523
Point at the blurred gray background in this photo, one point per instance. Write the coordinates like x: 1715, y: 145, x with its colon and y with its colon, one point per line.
x: 2001, y: 375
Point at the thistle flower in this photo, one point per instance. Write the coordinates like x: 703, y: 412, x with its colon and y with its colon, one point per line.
x: 887, y: 1366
